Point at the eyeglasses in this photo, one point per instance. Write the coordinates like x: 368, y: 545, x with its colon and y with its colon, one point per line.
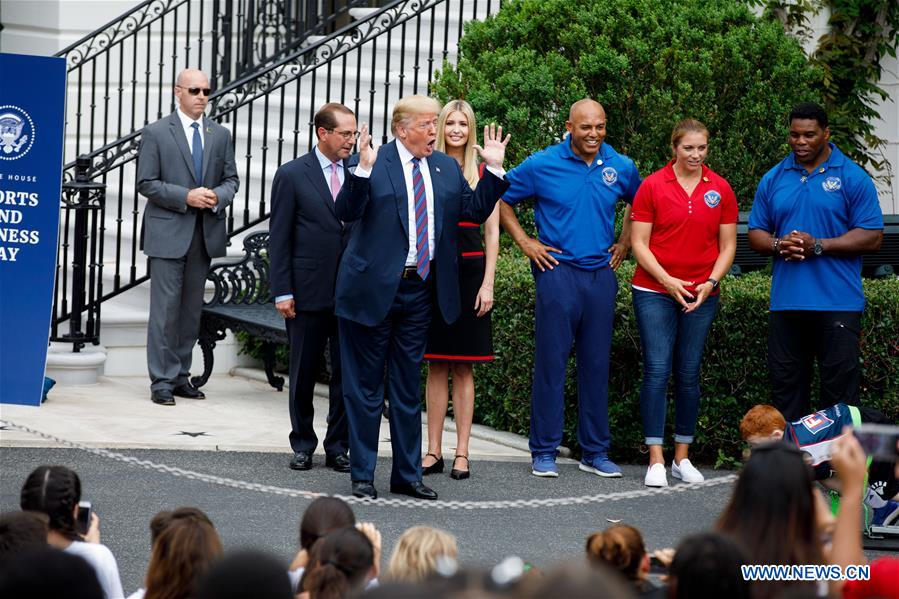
x: 194, y: 91
x: 347, y: 135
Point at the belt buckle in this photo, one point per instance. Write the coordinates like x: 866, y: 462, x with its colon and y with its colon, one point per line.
x: 410, y: 272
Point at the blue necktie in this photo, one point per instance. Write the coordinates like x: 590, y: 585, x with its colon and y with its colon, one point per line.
x: 197, y: 152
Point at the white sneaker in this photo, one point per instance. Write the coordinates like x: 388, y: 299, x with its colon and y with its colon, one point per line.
x: 655, y: 476
x: 686, y: 471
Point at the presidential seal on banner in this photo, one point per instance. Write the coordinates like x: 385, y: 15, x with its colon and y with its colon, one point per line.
x: 16, y: 132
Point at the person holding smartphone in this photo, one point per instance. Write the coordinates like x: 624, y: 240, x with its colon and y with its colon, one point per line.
x: 56, y: 492
x: 815, y: 435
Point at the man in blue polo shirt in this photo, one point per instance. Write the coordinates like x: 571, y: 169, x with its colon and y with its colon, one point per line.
x: 575, y: 186
x: 816, y: 212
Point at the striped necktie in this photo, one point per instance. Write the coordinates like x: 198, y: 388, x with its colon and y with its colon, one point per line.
x: 421, y: 221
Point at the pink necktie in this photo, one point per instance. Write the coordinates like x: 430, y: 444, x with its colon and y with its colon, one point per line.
x: 335, y: 181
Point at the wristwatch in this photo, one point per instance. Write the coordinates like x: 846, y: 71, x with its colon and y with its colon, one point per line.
x: 817, y: 248
x: 714, y: 283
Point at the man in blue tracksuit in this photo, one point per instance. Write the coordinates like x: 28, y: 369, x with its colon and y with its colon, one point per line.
x: 575, y: 186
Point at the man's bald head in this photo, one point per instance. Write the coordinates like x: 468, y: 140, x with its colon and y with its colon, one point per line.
x: 585, y: 107
x: 586, y: 125
x: 189, y: 76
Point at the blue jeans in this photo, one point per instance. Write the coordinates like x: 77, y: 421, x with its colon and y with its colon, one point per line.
x: 669, y: 338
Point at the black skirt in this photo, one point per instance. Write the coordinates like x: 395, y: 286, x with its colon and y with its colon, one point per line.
x: 470, y: 338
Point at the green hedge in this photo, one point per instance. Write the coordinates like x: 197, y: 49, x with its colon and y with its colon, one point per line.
x: 734, y: 374
x: 650, y: 63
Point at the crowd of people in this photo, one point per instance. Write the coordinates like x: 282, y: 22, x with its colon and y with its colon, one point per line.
x: 379, y: 256
x: 775, y: 516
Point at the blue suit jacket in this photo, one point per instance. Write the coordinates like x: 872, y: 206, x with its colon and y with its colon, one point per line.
x: 372, y: 265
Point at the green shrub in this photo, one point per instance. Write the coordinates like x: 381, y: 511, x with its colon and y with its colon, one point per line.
x: 734, y: 373
x: 650, y: 63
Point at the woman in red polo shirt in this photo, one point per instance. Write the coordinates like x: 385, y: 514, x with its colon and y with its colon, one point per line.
x: 684, y: 235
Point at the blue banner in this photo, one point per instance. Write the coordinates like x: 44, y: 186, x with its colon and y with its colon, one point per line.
x: 32, y: 121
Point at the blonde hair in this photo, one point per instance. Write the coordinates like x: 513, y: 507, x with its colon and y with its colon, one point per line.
x: 619, y: 546
x: 684, y: 127
x: 411, y: 106
x: 417, y: 551
x: 469, y: 157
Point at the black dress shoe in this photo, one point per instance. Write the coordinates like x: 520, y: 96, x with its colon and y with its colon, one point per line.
x: 364, y: 488
x: 339, y: 462
x: 435, y: 468
x: 416, y: 489
x: 302, y: 460
x: 162, y: 397
x: 189, y: 391
x: 457, y: 474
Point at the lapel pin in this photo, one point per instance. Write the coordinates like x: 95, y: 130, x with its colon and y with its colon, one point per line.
x: 437, y: 168
x: 706, y: 179
x: 822, y: 170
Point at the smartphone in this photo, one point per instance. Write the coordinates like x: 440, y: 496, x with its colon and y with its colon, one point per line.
x: 656, y: 566
x: 879, y: 441
x: 83, y: 520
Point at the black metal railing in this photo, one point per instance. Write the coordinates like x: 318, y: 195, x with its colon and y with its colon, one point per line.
x: 366, y: 64
x: 81, y: 234
x: 121, y: 75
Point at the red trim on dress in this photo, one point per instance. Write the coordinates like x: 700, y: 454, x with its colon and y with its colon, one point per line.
x: 472, y: 254
x: 468, y: 225
x: 459, y: 358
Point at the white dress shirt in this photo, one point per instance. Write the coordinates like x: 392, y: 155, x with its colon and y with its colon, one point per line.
x: 325, y: 163
x: 186, y: 123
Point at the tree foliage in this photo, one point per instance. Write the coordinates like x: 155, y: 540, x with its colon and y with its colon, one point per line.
x: 650, y: 63
x: 860, y: 34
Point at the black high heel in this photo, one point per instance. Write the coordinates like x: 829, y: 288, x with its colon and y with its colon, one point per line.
x: 435, y: 468
x: 460, y: 474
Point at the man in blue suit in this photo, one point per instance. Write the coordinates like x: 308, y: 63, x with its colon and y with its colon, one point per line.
x: 401, y: 262
x: 306, y: 240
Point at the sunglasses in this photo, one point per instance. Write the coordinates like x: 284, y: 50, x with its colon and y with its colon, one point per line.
x: 194, y: 91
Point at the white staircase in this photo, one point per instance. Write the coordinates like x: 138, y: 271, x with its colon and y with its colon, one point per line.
x: 124, y: 317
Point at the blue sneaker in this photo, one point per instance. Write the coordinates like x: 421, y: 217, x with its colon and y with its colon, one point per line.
x: 601, y: 466
x: 545, y: 465
x: 887, y: 515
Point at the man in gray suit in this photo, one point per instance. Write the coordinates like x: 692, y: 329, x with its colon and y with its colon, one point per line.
x: 187, y: 172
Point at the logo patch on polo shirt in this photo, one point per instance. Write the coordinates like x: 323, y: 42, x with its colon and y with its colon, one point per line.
x: 712, y: 198
x: 831, y: 184
x: 609, y: 175
x: 816, y: 422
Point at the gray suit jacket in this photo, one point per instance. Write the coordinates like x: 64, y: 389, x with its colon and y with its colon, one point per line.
x: 165, y: 173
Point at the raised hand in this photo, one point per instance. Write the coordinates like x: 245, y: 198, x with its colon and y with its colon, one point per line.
x: 367, y: 153
x: 494, y: 148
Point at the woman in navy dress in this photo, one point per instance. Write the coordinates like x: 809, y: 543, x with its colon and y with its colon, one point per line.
x: 455, y: 347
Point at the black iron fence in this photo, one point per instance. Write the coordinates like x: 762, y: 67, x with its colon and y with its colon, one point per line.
x: 366, y: 64
x: 122, y: 75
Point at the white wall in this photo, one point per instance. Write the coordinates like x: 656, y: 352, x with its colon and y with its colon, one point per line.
x: 43, y: 27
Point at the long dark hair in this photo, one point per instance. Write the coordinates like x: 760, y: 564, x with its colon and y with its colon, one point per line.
x: 321, y: 517
x: 55, y: 491
x: 338, y: 565
x: 772, y: 510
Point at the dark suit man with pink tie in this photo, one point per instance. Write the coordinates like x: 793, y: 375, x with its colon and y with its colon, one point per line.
x: 306, y: 240
x: 404, y: 201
